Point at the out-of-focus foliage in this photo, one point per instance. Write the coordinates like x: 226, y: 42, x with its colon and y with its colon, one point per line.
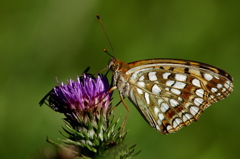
x: 41, y: 40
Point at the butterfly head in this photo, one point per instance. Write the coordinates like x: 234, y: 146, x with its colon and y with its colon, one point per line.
x: 114, y: 64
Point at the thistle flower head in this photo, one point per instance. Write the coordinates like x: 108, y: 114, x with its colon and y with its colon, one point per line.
x: 89, y: 123
x: 86, y: 94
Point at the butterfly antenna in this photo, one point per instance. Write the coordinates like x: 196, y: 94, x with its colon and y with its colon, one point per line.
x: 105, y: 50
x: 105, y: 33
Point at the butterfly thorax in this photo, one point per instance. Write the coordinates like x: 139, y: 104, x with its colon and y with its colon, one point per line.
x: 119, y: 69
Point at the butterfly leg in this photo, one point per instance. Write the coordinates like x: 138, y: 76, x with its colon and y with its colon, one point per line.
x: 125, y: 122
x: 124, y: 103
x: 116, y: 105
x: 99, y: 71
x: 121, y: 96
x: 112, y: 89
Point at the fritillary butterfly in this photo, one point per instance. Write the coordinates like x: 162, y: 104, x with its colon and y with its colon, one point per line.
x: 170, y: 93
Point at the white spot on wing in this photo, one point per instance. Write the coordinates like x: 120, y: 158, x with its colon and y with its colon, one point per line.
x: 187, y: 117
x: 152, y: 76
x: 159, y: 122
x: 196, y: 82
x: 141, y: 78
x: 200, y: 92
x: 179, y: 85
x: 219, y: 85
x: 176, y: 91
x: 165, y: 75
x: 147, y: 98
x: 214, y: 90
x: 141, y: 84
x: 156, y: 110
x: 160, y: 101
x: 177, y: 122
x: 208, y: 76
x: 226, y: 85
x: 161, y: 116
x: 180, y: 77
x: 224, y: 89
x: 169, y: 127
x: 180, y: 99
x: 139, y: 91
x: 198, y: 101
x: 173, y: 102
x: 134, y: 76
x: 164, y: 107
x: 194, y: 110
x: 170, y: 83
x: 156, y: 89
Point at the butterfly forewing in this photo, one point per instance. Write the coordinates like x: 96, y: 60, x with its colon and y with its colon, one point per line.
x: 170, y: 93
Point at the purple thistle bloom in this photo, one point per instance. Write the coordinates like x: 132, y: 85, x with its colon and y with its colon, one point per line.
x: 77, y: 97
x: 90, y: 126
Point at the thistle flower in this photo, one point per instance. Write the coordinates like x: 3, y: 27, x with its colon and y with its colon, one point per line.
x: 89, y: 122
x: 87, y: 94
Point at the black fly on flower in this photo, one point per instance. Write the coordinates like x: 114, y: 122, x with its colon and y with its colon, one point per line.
x: 89, y: 122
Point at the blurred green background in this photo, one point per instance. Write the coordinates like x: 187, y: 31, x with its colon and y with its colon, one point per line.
x: 41, y: 40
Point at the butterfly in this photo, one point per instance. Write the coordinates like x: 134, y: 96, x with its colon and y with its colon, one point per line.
x: 170, y: 93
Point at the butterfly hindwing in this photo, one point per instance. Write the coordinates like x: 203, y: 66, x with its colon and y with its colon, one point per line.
x: 171, y: 93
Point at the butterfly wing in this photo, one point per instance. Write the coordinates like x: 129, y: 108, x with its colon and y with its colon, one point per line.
x: 172, y: 93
